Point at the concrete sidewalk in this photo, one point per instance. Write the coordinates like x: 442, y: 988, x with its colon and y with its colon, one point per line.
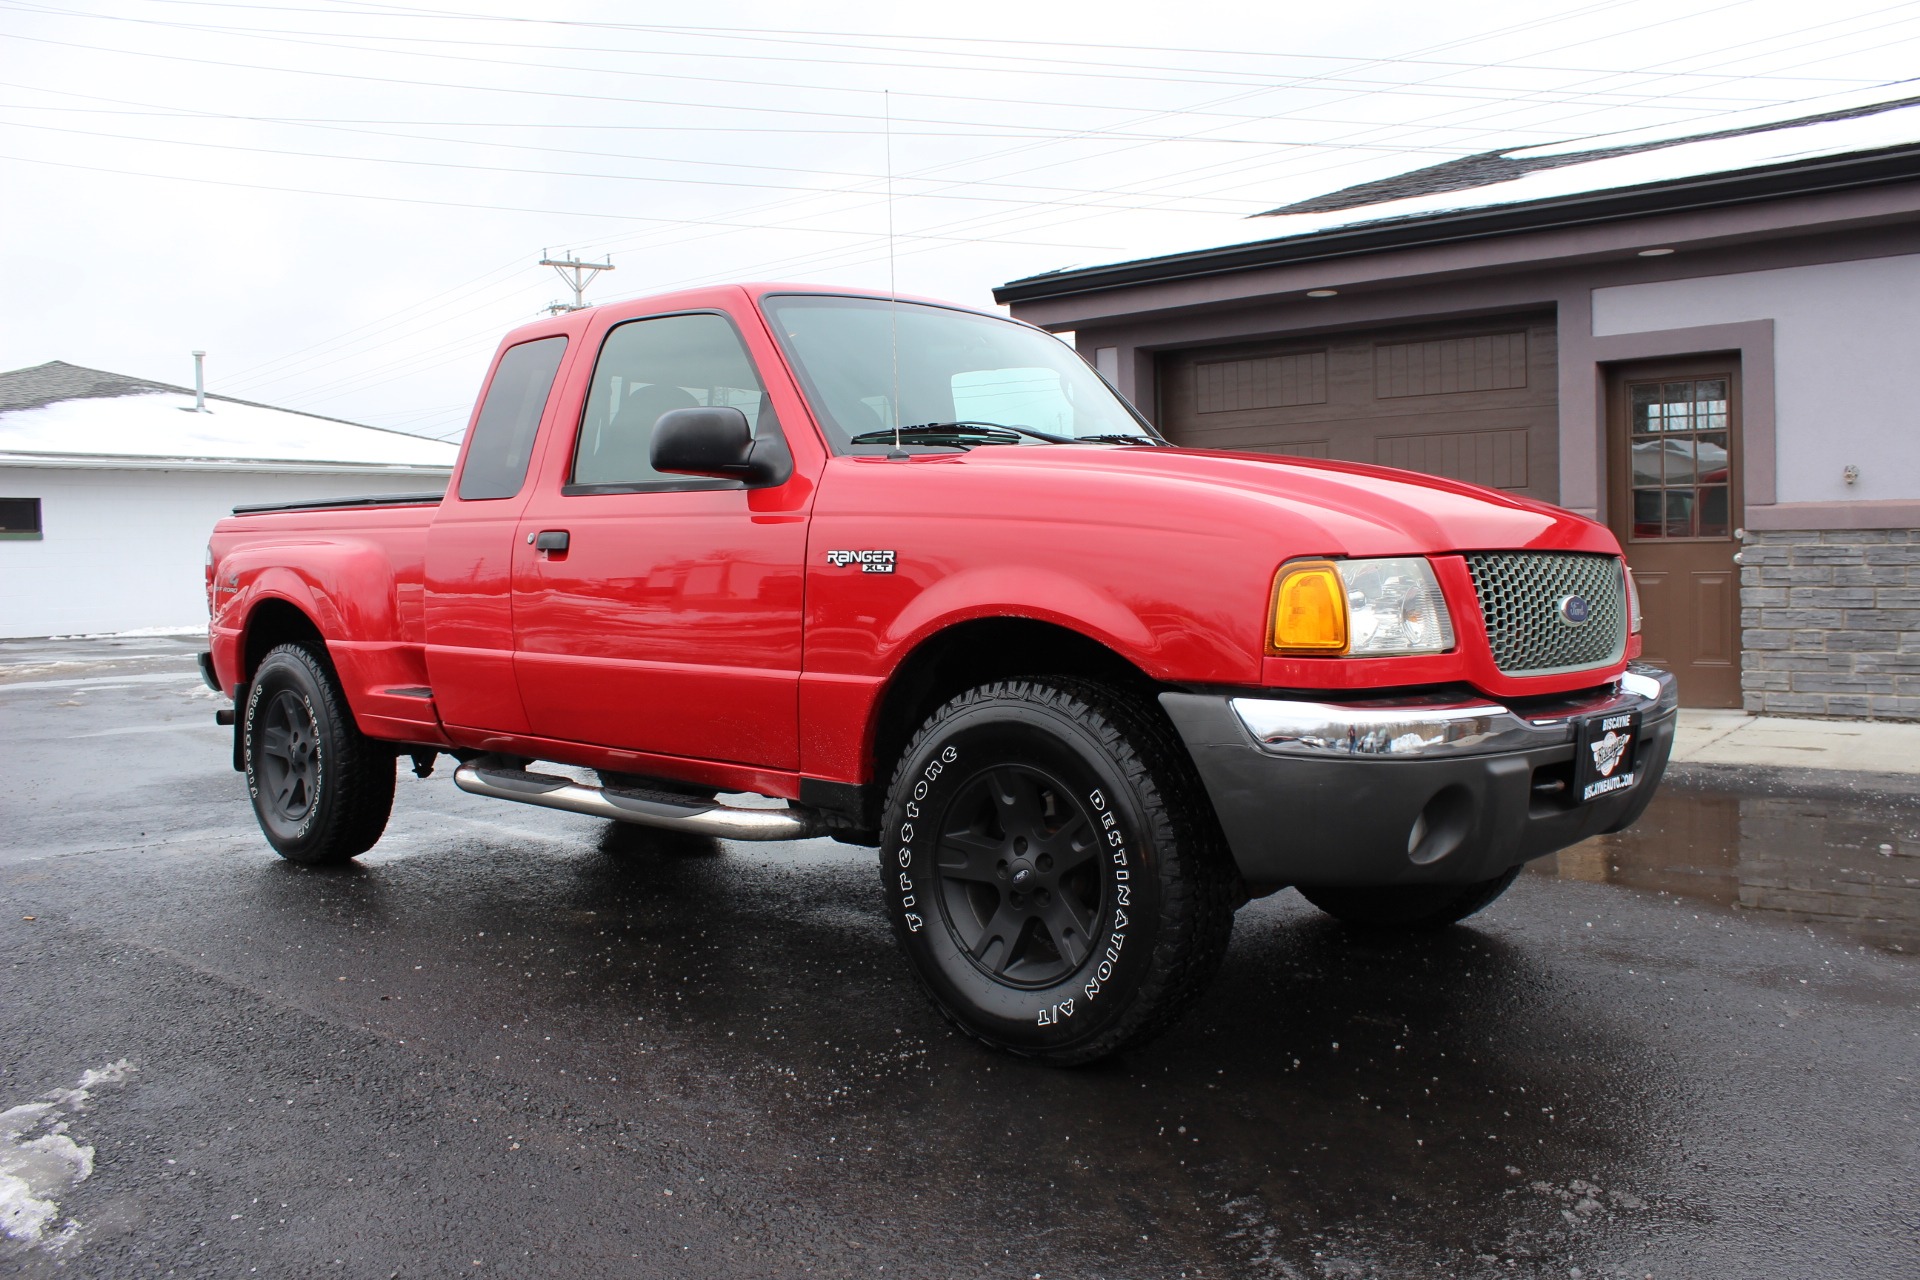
x: 1736, y: 738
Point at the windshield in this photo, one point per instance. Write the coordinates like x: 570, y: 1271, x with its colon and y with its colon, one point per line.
x: 954, y: 367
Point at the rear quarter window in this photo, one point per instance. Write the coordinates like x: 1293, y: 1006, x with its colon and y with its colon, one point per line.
x: 502, y: 444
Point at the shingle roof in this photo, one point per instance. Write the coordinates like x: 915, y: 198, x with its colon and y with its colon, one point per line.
x: 1468, y: 172
x: 56, y: 380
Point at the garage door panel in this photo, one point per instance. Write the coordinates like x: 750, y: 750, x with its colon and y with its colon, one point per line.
x: 1497, y: 459
x: 1260, y: 382
x: 1474, y: 401
x: 1449, y: 366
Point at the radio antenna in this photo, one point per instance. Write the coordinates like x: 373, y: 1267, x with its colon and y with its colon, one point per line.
x: 893, y: 292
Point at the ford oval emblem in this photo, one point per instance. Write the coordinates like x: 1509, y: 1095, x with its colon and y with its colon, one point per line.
x: 1573, y: 610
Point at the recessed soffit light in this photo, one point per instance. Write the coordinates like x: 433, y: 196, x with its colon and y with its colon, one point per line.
x: 1655, y: 253
x: 1322, y: 293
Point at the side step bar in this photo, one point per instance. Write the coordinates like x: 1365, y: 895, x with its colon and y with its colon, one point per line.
x: 506, y: 780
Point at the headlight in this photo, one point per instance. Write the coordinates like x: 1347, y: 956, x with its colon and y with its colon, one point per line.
x: 1633, y: 601
x: 1361, y: 608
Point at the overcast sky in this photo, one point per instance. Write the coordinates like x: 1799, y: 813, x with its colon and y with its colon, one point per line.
x: 344, y: 202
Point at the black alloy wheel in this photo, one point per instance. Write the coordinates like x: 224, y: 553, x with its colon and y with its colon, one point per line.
x: 1053, y: 870
x: 1022, y: 892
x: 321, y: 789
x: 290, y: 751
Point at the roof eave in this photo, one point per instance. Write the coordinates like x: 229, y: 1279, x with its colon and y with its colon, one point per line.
x: 1773, y: 182
x: 285, y: 466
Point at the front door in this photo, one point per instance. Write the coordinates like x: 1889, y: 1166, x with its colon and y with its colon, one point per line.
x: 1674, y: 501
x: 661, y: 613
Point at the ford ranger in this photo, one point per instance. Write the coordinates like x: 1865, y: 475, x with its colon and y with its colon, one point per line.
x: 919, y: 573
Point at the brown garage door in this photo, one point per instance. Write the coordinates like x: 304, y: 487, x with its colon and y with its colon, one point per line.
x: 1473, y: 400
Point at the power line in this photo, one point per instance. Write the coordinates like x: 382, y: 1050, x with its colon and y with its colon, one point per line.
x: 413, y: 84
x: 563, y: 173
x: 462, y: 204
x: 1049, y: 65
x: 1053, y: 69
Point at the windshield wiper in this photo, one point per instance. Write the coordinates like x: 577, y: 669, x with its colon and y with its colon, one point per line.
x: 958, y: 433
x: 1121, y: 437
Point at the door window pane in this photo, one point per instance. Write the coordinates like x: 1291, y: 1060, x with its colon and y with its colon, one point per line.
x: 502, y: 442
x: 1710, y: 448
x: 1679, y: 513
x: 1645, y: 398
x: 1646, y: 462
x: 651, y: 367
x: 1679, y: 465
x: 1712, y: 508
x: 1647, y: 522
x: 1676, y: 406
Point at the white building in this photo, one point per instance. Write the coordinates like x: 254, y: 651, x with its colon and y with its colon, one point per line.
x: 109, y: 487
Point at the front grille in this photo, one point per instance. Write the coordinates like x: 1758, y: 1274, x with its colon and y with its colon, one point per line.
x: 1521, y: 593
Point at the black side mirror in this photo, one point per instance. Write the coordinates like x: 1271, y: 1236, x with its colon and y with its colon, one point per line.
x: 718, y: 442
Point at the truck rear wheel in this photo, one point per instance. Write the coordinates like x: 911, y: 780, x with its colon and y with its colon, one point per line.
x: 321, y: 789
x: 1409, y: 908
x: 1053, y: 871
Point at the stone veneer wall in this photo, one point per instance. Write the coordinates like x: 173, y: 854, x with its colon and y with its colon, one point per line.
x: 1831, y: 623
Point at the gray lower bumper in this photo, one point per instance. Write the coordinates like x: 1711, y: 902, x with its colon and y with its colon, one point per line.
x: 1413, y: 790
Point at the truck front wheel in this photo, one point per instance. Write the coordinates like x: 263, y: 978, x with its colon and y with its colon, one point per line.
x: 1409, y: 908
x: 1053, y: 871
x: 321, y: 789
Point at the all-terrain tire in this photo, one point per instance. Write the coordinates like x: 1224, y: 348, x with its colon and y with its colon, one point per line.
x: 321, y: 789
x: 1053, y: 870
x: 1408, y: 908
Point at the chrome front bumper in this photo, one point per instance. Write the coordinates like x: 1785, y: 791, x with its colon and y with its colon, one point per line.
x: 1426, y: 729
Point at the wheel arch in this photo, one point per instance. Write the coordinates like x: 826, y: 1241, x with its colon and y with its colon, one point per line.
x: 973, y: 652
x: 272, y: 622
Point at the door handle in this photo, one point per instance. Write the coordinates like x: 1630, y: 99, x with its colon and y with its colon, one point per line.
x: 549, y: 540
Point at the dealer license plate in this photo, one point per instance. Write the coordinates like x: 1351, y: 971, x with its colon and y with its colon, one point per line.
x: 1606, y: 751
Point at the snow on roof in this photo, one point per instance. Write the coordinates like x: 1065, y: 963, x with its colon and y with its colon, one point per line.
x: 1490, y: 167
x: 1523, y: 176
x: 1561, y: 173
x: 61, y: 411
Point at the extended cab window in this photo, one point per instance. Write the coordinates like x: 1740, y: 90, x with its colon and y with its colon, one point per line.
x: 650, y: 367
x: 503, y: 437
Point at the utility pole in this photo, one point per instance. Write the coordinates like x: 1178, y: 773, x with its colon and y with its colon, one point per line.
x: 576, y: 275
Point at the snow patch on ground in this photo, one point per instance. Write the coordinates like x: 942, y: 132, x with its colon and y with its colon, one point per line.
x: 137, y: 633
x: 40, y: 1162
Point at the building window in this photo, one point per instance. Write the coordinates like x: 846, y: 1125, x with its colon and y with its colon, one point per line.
x: 1681, y: 470
x: 19, y: 518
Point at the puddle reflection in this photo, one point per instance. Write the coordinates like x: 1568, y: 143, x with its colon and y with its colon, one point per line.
x: 1849, y: 862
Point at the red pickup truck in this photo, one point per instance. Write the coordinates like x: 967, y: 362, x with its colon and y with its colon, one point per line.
x: 920, y: 573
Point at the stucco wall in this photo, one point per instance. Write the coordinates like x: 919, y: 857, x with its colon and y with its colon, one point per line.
x: 127, y: 549
x: 1846, y: 382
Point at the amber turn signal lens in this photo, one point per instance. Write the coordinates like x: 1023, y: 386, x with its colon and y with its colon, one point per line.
x: 1310, y: 609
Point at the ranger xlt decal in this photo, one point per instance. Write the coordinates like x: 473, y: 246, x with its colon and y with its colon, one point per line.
x: 869, y: 561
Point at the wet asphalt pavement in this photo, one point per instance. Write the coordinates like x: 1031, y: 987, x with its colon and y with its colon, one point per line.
x: 515, y: 1042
